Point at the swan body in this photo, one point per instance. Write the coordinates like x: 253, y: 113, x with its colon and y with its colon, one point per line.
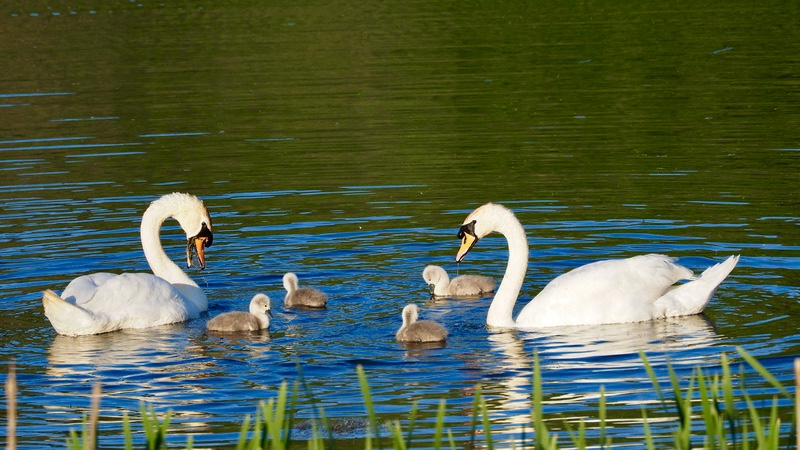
x: 297, y: 296
x: 256, y: 319
x: 612, y: 291
x: 460, y: 286
x: 103, y: 302
x: 414, y: 330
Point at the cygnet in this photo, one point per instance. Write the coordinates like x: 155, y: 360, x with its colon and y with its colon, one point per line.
x: 414, y: 330
x: 297, y: 296
x: 256, y: 319
x: 460, y: 286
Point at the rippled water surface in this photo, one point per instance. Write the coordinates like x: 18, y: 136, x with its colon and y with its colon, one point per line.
x: 347, y: 142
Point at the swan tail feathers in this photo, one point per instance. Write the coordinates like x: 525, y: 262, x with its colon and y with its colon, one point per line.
x: 692, y: 297
x: 67, y: 318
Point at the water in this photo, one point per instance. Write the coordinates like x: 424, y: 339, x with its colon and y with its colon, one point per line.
x: 346, y: 143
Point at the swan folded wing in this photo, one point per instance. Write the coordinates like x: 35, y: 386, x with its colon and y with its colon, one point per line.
x: 610, y: 291
x: 78, y: 290
x: 693, y: 297
x: 136, y: 300
x: 69, y: 319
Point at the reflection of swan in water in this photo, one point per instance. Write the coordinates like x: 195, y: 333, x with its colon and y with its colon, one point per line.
x: 575, y: 362
x: 151, y: 350
x: 667, y: 335
x: 611, y: 291
x: 168, y: 349
x: 149, y: 365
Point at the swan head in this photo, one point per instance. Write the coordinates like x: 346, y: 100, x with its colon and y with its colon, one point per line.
x: 479, y: 223
x: 193, y: 217
x: 197, y: 243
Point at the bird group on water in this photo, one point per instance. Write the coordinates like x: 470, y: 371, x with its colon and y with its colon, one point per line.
x: 640, y: 288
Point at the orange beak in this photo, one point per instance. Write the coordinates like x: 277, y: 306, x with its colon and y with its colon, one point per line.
x: 199, y: 245
x: 467, y: 241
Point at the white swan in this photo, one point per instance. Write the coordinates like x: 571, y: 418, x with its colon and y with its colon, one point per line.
x: 414, y: 330
x: 256, y: 319
x: 297, y: 296
x: 612, y: 291
x: 460, y: 286
x: 103, y: 302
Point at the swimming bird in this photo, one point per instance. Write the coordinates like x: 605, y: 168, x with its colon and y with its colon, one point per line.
x: 103, y: 302
x: 297, y: 296
x: 414, y: 330
x: 460, y: 286
x: 256, y: 319
x: 611, y: 291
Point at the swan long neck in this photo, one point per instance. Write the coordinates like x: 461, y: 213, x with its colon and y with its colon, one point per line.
x: 502, y: 308
x: 161, y: 265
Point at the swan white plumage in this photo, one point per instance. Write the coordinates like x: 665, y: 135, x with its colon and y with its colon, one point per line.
x: 103, y: 302
x: 461, y: 286
x: 306, y: 296
x: 612, y: 291
x: 256, y: 319
x: 414, y: 330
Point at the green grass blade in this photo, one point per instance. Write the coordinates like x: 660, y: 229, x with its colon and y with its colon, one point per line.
x: 474, y: 422
x: 763, y: 371
x: 602, y: 417
x: 373, y: 419
x: 242, y: 442
x: 648, y: 435
x: 653, y: 379
x: 487, y: 426
x: 437, y: 435
x: 543, y: 439
x: 126, y: 432
x: 412, y: 420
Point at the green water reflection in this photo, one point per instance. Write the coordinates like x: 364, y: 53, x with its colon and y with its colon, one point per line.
x: 587, y: 103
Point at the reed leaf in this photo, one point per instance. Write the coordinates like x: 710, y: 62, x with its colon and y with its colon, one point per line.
x: 474, y: 422
x: 653, y: 379
x: 373, y: 420
x: 487, y: 428
x: 437, y: 434
x: 763, y: 371
x: 601, y: 411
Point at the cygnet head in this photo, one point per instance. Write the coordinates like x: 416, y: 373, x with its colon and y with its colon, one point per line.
x: 260, y: 304
x: 410, y: 314
x: 436, y: 278
x: 290, y: 282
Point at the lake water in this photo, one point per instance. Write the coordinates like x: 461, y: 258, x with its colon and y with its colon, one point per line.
x: 346, y: 142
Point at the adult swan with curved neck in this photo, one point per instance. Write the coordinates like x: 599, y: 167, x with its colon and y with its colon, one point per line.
x: 611, y: 291
x: 103, y: 302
